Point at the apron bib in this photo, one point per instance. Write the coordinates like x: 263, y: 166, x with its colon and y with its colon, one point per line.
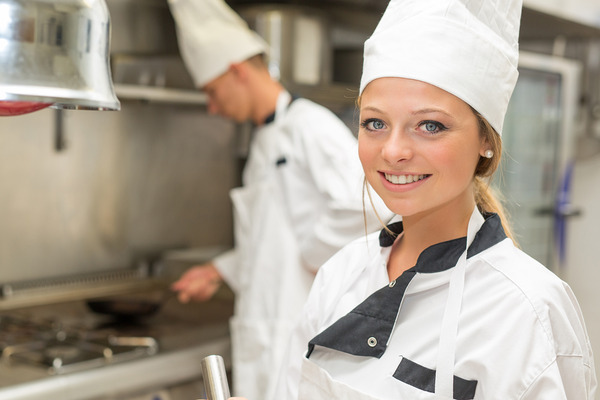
x: 317, y: 384
x: 273, y: 285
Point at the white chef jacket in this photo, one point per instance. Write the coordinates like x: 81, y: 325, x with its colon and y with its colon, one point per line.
x: 300, y: 202
x: 520, y: 335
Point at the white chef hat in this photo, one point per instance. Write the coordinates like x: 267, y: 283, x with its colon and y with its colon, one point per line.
x: 466, y: 47
x: 211, y: 37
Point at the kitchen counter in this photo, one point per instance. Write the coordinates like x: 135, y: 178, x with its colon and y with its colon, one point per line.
x: 185, y: 334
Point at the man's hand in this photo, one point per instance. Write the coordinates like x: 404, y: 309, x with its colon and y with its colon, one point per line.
x: 199, y: 283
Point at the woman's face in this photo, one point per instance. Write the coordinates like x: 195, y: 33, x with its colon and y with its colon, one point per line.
x: 419, y: 146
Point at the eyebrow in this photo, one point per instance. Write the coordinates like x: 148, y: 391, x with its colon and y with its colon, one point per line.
x: 371, y: 108
x: 417, y: 112
x: 431, y: 110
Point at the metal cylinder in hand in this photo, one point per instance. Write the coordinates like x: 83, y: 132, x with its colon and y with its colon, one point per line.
x: 215, y: 378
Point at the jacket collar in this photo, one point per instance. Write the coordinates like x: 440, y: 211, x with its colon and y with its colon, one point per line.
x: 271, y: 118
x: 444, y: 255
x: 375, y: 317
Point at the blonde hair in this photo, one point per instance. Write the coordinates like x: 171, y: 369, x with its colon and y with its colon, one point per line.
x: 486, y: 198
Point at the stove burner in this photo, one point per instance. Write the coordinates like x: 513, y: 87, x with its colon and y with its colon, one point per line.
x: 62, y: 350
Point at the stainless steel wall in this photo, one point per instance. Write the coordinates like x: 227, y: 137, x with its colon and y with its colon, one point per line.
x: 147, y: 177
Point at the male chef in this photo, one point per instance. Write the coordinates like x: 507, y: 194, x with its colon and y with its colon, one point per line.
x: 302, y: 193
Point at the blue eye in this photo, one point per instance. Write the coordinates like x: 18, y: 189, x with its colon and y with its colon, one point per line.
x: 372, y: 124
x: 432, y: 126
x: 377, y: 125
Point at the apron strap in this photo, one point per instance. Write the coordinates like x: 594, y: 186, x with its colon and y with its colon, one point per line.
x: 444, y: 377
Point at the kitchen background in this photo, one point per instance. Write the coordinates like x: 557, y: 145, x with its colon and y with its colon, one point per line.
x: 99, y: 204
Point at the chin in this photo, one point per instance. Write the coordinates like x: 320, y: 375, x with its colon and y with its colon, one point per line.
x: 406, y: 207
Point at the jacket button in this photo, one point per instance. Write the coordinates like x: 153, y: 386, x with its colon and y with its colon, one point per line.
x: 372, y: 342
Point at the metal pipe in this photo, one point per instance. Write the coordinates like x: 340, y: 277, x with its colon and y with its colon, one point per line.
x: 215, y: 378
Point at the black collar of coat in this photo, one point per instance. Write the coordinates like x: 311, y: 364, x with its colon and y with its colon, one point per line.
x: 365, y: 330
x: 271, y: 117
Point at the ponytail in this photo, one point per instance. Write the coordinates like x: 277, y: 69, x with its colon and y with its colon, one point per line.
x: 489, y: 201
x: 486, y: 198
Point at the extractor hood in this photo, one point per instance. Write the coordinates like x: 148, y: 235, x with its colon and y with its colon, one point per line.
x: 55, y: 53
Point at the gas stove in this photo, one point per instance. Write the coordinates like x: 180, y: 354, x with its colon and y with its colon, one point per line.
x: 60, y: 348
x: 65, y: 351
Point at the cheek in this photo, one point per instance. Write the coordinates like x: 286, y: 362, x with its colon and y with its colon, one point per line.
x: 236, y: 102
x: 456, y: 163
x: 215, y: 99
x: 367, y: 145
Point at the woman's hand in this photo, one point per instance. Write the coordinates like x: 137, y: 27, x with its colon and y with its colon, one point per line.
x: 198, y: 283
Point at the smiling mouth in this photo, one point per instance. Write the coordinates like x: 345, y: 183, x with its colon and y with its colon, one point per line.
x: 403, y: 179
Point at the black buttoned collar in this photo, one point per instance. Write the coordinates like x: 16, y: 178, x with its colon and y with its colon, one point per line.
x: 365, y: 330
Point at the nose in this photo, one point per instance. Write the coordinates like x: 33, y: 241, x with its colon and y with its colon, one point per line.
x: 211, y: 106
x: 397, y: 147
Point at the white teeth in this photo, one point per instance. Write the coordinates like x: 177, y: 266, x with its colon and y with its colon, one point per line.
x: 403, y: 179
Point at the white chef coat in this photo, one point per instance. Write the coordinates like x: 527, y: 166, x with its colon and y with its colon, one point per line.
x: 521, y: 334
x: 301, y: 201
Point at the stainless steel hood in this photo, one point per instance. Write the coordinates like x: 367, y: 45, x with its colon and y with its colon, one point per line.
x: 55, y: 53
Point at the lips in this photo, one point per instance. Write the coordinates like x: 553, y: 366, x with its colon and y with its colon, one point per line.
x: 403, y: 179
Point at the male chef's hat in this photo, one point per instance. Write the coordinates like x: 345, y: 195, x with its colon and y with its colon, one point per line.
x: 466, y: 47
x: 211, y: 37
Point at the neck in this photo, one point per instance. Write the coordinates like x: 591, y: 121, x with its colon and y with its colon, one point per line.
x: 447, y: 222
x: 266, y: 92
x: 438, y: 225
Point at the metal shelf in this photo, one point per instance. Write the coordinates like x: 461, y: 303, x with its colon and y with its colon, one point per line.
x: 335, y: 94
x: 153, y: 94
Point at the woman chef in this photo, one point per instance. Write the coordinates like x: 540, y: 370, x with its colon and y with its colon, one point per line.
x: 301, y: 198
x: 442, y: 305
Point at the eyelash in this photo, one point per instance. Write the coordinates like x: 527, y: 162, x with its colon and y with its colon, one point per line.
x: 439, y: 126
x: 365, y: 124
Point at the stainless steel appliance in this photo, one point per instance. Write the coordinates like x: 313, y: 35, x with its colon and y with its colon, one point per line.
x: 539, y: 139
x: 299, y: 40
x: 60, y: 348
x: 55, y: 53
x: 65, y: 352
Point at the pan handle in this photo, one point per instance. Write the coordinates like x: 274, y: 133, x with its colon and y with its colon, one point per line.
x: 215, y: 378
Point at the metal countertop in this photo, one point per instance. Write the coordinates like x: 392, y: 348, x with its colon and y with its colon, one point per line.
x: 185, y: 335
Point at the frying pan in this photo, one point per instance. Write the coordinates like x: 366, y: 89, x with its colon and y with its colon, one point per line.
x: 128, y: 307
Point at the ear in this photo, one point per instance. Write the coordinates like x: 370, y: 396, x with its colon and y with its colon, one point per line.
x: 239, y: 70
x: 485, y: 146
